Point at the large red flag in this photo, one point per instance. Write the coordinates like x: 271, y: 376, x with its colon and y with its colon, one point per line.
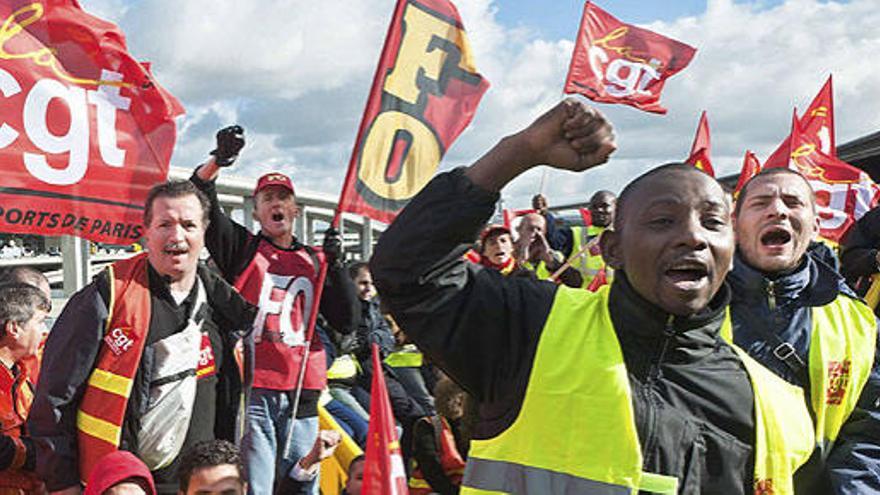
x: 383, y: 467
x: 614, y: 62
x: 425, y: 92
x: 750, y: 168
x: 816, y: 125
x: 86, y: 130
x: 843, y: 192
x: 702, y: 147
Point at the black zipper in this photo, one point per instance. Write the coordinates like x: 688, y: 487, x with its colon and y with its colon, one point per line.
x: 655, y: 373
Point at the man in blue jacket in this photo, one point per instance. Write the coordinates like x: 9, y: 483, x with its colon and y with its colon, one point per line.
x: 796, y: 315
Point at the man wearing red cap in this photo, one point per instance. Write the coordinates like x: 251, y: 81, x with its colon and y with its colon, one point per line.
x: 273, y: 270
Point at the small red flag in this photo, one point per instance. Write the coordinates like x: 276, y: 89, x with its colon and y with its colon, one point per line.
x: 701, y: 147
x: 599, y: 280
x: 750, y: 168
x: 425, y: 92
x: 586, y: 216
x: 816, y: 125
x: 383, y: 466
x: 615, y: 62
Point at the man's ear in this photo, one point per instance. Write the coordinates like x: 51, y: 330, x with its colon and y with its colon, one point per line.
x: 816, y: 228
x: 11, y: 328
x: 611, y: 249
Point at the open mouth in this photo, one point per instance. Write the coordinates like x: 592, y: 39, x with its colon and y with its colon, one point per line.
x: 277, y: 217
x: 176, y: 250
x: 687, y: 274
x: 776, y: 237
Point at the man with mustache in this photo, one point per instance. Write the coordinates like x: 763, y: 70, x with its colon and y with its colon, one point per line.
x: 629, y: 388
x: 279, y: 274
x: 796, y: 315
x: 143, y: 359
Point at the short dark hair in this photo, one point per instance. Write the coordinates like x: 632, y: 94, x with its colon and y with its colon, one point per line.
x: 767, y: 172
x: 176, y: 189
x: 359, y: 458
x: 355, y: 268
x: 631, y: 188
x: 18, y: 303
x: 209, y: 453
x: 600, y: 193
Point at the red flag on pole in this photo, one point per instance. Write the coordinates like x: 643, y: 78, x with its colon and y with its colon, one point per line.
x: 86, y: 129
x: 816, y: 125
x: 843, y: 192
x: 750, y: 168
x: 425, y: 92
x: 614, y: 62
x: 383, y: 467
x: 701, y: 147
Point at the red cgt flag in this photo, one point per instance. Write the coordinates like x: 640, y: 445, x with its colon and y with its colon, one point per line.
x: 816, y: 125
x: 86, y: 129
x: 843, y: 192
x: 701, y: 147
x: 425, y: 92
x: 614, y: 62
x: 383, y: 467
x: 750, y: 168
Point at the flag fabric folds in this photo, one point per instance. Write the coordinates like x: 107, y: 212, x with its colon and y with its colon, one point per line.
x: 817, y: 126
x: 86, y: 129
x: 701, y: 147
x: 383, y: 467
x: 425, y: 92
x: 750, y: 168
x: 615, y: 62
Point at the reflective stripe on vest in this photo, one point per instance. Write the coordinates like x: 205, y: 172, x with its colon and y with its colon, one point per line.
x: 408, y: 357
x: 842, y: 343
x: 345, y: 366
x: 102, y: 407
x: 537, y: 455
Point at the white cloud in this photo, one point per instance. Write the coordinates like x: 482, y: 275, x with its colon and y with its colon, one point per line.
x: 297, y: 74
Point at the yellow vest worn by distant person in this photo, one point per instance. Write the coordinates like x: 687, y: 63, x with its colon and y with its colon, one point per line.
x: 579, y: 366
x: 588, y: 264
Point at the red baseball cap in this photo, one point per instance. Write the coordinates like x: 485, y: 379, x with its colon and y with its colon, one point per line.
x: 493, y: 229
x: 274, y: 179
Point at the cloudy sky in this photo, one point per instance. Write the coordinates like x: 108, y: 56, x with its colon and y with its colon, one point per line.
x: 296, y: 75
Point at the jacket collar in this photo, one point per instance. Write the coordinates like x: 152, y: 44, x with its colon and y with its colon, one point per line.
x: 642, y: 325
x: 813, y: 282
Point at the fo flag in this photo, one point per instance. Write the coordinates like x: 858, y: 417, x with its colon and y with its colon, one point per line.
x: 701, y: 147
x: 615, y: 62
x: 383, y: 467
x: 86, y: 130
x: 425, y: 92
x: 843, y: 192
x: 816, y: 126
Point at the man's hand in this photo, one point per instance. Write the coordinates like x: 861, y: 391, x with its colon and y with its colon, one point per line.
x: 230, y: 141
x: 332, y: 246
x: 323, y: 448
x: 539, y: 249
x: 571, y: 136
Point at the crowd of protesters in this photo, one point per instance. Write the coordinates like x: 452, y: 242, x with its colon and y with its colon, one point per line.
x: 680, y: 341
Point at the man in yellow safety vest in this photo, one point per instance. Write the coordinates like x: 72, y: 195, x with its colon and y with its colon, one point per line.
x: 626, y: 389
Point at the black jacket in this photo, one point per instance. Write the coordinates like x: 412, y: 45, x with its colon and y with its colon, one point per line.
x: 71, y: 353
x: 692, y: 397
x: 858, y: 256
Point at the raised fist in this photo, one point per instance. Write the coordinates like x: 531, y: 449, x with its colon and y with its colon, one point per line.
x: 230, y: 140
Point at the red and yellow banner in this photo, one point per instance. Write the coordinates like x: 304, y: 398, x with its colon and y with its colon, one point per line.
x: 86, y: 130
x: 615, y: 62
x: 750, y: 168
x: 816, y: 126
x: 425, y: 92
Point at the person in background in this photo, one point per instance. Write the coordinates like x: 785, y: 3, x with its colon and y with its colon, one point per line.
x: 355, y: 476
x: 212, y: 468
x: 533, y: 252
x: 23, y: 311
x: 120, y: 473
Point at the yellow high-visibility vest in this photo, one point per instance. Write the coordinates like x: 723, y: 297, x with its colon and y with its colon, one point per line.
x: 579, y: 367
x: 588, y: 264
x: 843, y: 340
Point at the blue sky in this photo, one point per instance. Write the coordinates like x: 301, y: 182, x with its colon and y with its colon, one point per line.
x: 296, y: 75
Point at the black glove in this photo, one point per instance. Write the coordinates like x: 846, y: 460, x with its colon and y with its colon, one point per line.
x: 230, y: 140
x: 332, y: 246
